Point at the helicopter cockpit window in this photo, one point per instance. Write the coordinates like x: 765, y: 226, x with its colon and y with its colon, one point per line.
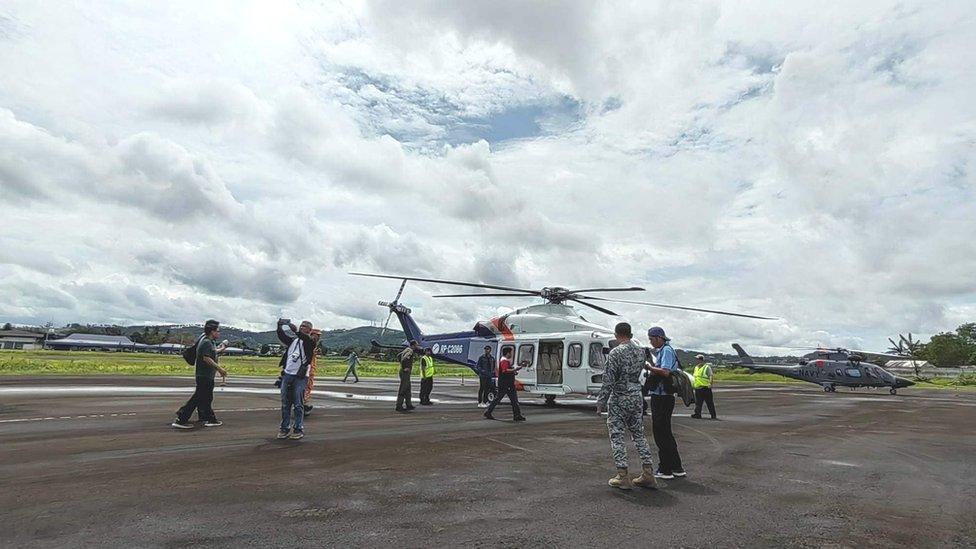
x: 526, y: 355
x: 853, y: 372
x: 575, y: 356
x: 597, y: 358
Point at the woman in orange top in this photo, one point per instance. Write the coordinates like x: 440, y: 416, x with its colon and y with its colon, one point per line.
x: 307, y: 399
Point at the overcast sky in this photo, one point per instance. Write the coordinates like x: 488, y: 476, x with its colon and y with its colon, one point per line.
x: 172, y: 161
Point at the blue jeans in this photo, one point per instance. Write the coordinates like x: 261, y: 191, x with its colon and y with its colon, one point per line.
x: 292, y: 391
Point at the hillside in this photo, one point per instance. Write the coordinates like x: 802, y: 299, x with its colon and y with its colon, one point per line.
x: 332, y: 339
x: 336, y: 340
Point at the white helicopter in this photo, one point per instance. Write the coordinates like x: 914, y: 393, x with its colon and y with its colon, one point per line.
x: 562, y: 352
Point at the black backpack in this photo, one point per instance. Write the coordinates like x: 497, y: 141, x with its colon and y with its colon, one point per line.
x: 190, y: 353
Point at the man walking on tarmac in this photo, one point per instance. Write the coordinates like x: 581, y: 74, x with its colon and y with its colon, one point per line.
x: 352, y: 362
x: 206, y: 368
x: 662, y: 406
x: 506, y: 386
x: 485, y: 369
x: 426, y: 376
x: 703, y: 387
x: 621, y: 397
x: 407, y: 356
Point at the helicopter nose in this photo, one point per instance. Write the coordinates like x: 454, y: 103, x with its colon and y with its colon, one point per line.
x: 902, y: 382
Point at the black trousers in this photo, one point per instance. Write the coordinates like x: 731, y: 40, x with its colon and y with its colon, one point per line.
x: 403, y: 393
x: 484, y: 389
x: 506, y: 387
x: 426, y: 386
x: 704, y: 395
x: 662, y: 406
x: 201, y: 401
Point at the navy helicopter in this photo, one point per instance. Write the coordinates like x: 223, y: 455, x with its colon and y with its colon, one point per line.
x: 832, y: 367
x: 561, y: 352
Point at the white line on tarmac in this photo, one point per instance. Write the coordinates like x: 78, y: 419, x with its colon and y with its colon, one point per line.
x: 88, y: 416
x: 509, y: 445
x: 115, y: 389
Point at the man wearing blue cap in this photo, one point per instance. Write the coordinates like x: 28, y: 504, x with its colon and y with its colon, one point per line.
x: 662, y: 406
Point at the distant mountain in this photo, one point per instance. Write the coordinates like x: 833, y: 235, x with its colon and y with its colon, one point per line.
x: 336, y: 340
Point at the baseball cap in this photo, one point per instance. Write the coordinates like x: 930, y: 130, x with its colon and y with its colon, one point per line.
x: 658, y: 331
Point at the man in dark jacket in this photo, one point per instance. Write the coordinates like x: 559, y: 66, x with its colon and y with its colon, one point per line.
x: 298, y: 356
x: 485, y: 369
x: 407, y: 356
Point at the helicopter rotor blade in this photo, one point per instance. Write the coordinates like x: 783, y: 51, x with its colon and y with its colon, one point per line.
x: 499, y: 294
x: 399, y: 293
x: 664, y: 306
x: 450, y: 282
x: 592, y: 306
x: 632, y: 289
x: 385, y: 324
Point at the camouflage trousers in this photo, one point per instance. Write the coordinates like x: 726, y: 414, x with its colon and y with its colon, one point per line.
x: 625, y: 414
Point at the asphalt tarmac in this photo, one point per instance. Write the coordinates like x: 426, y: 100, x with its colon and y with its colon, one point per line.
x: 93, y: 462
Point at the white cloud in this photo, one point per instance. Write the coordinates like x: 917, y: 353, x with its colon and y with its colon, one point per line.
x: 810, y: 163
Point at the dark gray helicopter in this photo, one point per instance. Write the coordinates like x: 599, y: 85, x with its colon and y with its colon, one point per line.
x: 832, y: 367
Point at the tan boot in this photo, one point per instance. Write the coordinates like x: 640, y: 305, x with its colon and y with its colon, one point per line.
x: 622, y: 480
x: 646, y: 478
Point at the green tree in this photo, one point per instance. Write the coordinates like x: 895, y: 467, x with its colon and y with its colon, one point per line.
x: 8, y: 326
x: 947, y: 349
x: 968, y: 332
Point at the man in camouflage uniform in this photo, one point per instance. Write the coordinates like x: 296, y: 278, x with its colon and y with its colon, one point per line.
x: 621, y: 397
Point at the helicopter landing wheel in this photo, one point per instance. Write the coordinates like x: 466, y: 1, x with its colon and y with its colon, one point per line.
x: 893, y: 391
x: 826, y: 388
x: 550, y: 400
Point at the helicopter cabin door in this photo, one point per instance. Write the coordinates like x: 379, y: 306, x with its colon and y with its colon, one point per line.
x: 576, y: 373
x: 550, y: 367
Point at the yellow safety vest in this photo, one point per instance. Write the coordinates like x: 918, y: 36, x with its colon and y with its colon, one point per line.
x: 426, y: 366
x: 702, y: 380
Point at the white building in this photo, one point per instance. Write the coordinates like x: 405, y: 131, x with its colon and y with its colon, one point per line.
x: 20, y: 339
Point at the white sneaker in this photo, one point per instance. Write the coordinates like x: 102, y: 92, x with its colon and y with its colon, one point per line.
x: 178, y: 425
x: 282, y: 434
x: 482, y: 405
x: 216, y: 423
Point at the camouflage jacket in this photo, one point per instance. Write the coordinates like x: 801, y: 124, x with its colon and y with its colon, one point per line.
x: 621, y: 374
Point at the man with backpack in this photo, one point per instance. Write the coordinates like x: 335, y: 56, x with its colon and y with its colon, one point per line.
x: 299, y: 350
x: 662, y: 405
x: 203, y: 356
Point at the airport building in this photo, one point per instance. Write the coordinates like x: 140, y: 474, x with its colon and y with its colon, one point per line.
x: 94, y: 342
x: 20, y: 339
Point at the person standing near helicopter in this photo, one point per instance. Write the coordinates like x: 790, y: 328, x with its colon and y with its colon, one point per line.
x: 621, y: 396
x: 506, y: 386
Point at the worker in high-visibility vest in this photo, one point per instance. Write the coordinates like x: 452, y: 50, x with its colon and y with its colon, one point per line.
x: 426, y: 376
x: 703, y: 387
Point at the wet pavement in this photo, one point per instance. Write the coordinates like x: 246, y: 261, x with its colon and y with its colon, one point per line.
x: 93, y: 461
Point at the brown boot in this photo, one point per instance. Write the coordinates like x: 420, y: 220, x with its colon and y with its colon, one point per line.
x: 646, y: 478
x: 622, y: 480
